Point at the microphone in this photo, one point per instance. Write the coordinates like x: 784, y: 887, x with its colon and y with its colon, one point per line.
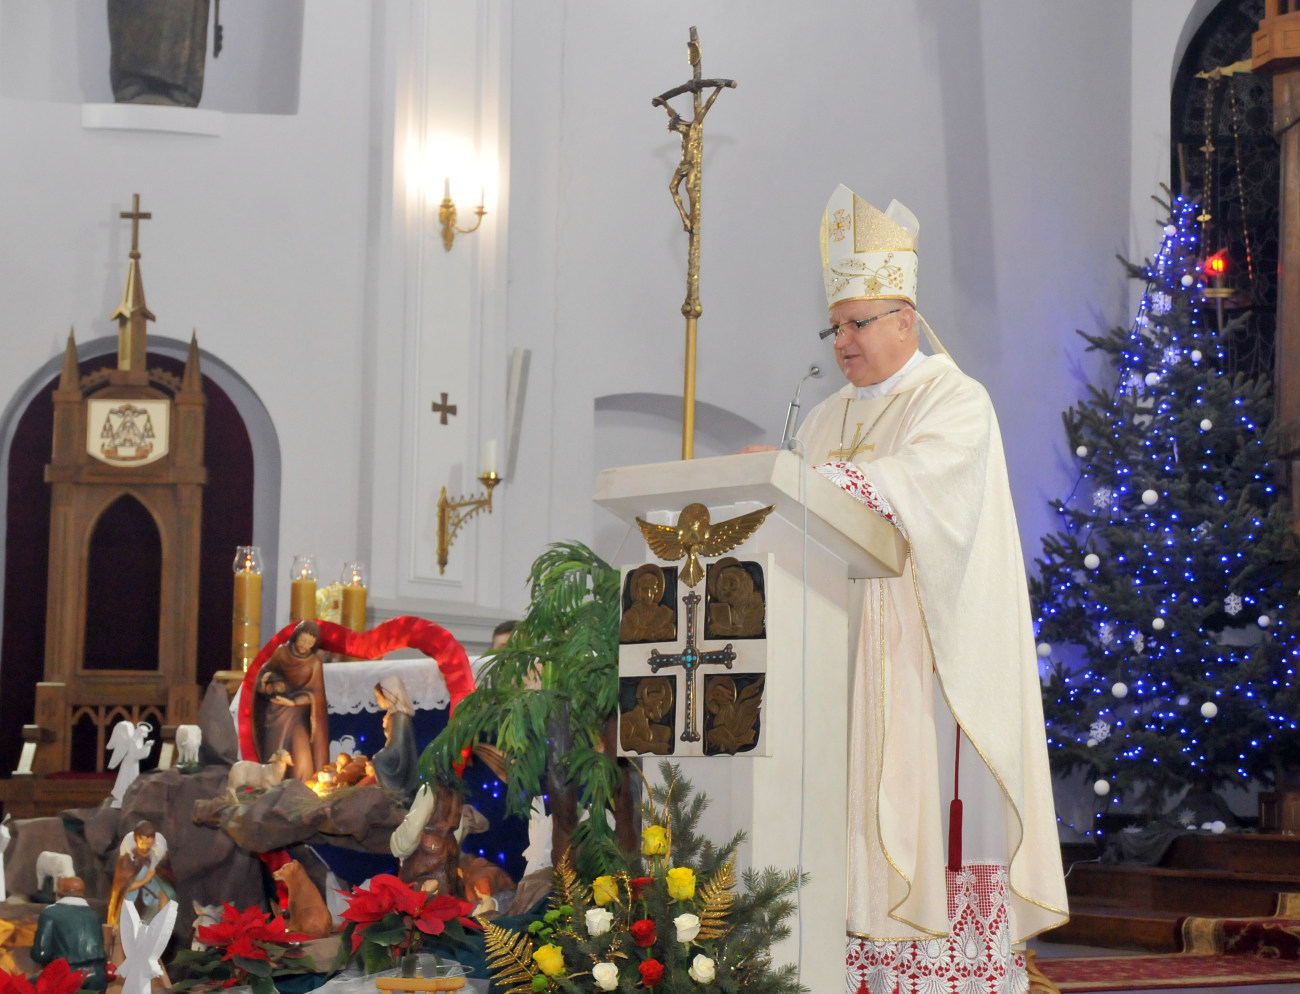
x: 792, y: 414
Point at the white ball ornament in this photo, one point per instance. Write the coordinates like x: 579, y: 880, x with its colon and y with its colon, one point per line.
x: 1119, y: 689
x: 1170, y: 230
x: 1184, y: 701
x: 1187, y: 280
x: 1091, y: 561
x: 1092, y: 743
x: 1101, y: 788
x: 1196, y: 355
x: 1149, y: 497
x: 1081, y: 452
x: 1209, y: 709
x: 1044, y: 649
x: 1152, y: 379
x: 1263, y: 621
x: 1218, y: 827
x: 1158, y: 624
x: 1206, y: 424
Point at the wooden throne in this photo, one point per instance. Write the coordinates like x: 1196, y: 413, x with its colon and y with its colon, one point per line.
x: 127, y: 447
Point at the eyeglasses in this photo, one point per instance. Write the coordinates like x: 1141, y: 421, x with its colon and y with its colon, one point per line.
x: 828, y: 332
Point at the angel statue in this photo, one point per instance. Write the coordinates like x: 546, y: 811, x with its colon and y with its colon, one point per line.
x: 142, y: 945
x: 129, y: 743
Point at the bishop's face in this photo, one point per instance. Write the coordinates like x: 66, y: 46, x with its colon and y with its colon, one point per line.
x: 877, y: 350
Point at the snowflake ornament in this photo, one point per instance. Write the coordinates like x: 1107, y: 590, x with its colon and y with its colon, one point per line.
x: 1161, y: 302
x: 1103, y: 497
x: 1134, y: 381
x: 1139, y: 642
x: 1173, y: 356
x: 1202, y: 529
x: 1099, y: 730
x: 1106, y: 632
x: 1186, y: 817
x: 1233, y: 604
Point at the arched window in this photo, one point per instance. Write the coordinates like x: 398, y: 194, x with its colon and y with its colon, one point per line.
x: 1224, y: 156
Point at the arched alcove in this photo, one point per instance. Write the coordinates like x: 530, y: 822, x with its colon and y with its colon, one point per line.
x: 123, y: 588
x: 240, y: 504
x: 1223, y: 155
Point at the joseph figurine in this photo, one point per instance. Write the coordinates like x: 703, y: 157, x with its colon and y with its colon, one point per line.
x: 289, y: 708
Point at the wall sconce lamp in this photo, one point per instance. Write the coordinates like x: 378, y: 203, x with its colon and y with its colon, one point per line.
x: 447, y: 218
x: 452, y: 514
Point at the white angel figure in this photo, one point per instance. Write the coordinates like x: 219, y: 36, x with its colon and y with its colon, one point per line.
x: 142, y: 945
x: 538, y: 853
x: 130, y: 743
x: 5, y: 836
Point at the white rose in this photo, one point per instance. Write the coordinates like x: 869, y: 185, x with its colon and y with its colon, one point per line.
x: 606, y: 976
x: 701, y: 970
x: 598, y: 923
x: 688, y: 927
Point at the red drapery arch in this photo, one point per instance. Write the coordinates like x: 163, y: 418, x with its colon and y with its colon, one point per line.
x: 396, y: 633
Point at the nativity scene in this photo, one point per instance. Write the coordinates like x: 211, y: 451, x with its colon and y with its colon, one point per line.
x: 623, y: 686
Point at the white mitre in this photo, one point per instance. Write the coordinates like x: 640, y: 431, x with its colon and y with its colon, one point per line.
x: 867, y: 254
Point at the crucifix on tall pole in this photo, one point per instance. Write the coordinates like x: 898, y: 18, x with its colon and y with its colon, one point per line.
x: 689, y: 170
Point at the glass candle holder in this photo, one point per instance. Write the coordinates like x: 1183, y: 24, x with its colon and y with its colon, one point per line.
x: 302, y: 588
x: 246, y: 622
x: 352, y: 610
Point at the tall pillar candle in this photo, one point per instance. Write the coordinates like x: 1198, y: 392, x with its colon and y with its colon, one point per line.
x: 302, y: 589
x: 246, y: 620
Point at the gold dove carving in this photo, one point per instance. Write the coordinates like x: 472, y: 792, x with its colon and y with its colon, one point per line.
x: 694, y: 536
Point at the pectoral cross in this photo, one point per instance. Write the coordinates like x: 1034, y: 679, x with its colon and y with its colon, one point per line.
x: 858, y: 444
x: 689, y: 659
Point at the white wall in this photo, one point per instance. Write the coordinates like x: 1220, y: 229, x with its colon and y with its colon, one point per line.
x: 1003, y: 125
x: 258, y: 242
x: 1024, y: 136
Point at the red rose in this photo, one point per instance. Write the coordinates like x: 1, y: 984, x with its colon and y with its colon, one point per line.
x: 638, y: 885
x: 652, y: 971
x: 643, y: 933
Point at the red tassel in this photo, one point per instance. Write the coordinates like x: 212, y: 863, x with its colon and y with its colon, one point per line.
x: 954, y: 813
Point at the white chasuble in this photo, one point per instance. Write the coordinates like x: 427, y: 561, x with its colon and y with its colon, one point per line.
x: 949, y: 638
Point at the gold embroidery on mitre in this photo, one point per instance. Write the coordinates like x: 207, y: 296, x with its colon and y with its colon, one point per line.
x: 882, y: 253
x: 874, y: 232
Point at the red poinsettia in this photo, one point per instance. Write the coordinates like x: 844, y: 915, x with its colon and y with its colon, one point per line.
x: 239, y: 931
x: 643, y: 933
x: 386, y: 916
x: 652, y: 971
x: 56, y: 978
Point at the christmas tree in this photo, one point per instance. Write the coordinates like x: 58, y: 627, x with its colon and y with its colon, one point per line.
x: 1166, y: 605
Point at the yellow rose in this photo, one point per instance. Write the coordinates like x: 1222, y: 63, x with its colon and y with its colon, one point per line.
x: 654, y: 841
x: 549, y: 959
x: 681, y: 883
x: 604, y: 890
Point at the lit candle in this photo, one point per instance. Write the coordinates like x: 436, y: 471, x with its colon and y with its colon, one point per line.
x: 352, y: 610
x: 302, y: 589
x: 246, y: 623
x: 488, y: 458
x: 446, y: 188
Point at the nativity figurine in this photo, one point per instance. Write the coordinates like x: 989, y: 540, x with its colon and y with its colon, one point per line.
x: 129, y: 744
x: 139, y: 877
x: 289, y: 709
x: 395, y: 765
x: 70, y: 930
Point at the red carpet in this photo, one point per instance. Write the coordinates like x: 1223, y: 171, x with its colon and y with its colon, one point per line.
x: 1170, y: 970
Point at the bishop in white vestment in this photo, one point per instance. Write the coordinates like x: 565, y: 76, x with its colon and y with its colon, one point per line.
x: 947, y: 644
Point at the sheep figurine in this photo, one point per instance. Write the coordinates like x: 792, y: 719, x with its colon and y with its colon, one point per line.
x: 54, y: 866
x: 258, y: 776
x: 188, y: 740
